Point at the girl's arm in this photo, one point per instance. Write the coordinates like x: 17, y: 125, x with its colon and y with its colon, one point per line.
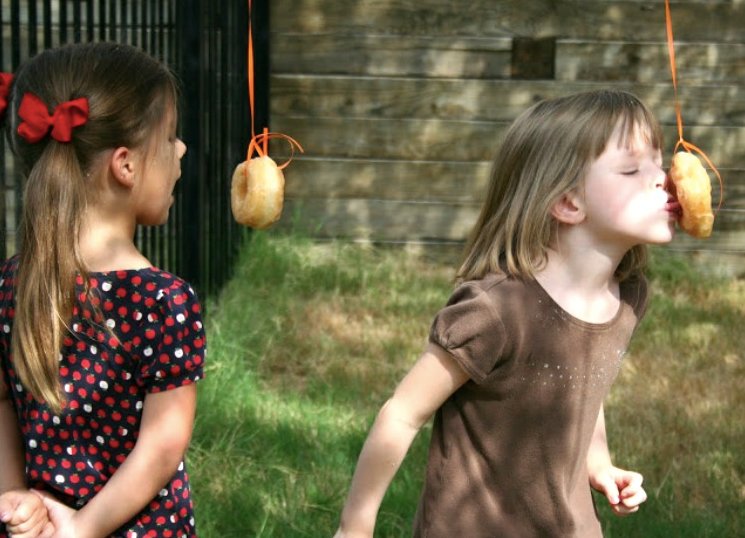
x: 21, y: 510
x: 622, y: 488
x: 165, y: 432
x: 430, y: 382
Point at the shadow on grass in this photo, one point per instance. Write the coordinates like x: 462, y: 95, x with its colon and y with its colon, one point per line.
x: 280, y: 466
x: 285, y: 407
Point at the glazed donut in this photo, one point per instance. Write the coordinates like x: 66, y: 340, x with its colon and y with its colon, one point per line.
x: 692, y: 188
x: 257, y: 192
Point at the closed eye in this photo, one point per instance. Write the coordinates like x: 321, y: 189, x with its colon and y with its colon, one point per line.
x: 629, y: 172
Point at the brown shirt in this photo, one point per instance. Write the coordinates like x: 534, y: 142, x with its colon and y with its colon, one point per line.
x: 508, y: 448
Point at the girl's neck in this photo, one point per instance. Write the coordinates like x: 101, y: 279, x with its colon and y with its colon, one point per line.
x: 583, y: 285
x: 107, y: 244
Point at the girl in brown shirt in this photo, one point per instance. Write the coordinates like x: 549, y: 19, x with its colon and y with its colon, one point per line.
x: 523, y: 354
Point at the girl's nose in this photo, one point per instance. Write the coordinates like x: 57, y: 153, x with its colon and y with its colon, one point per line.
x: 662, y: 180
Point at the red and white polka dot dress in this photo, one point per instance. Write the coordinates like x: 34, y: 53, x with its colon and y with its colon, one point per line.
x: 143, y: 334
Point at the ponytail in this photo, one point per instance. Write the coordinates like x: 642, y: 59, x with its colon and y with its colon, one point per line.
x: 54, y: 199
x: 123, y: 95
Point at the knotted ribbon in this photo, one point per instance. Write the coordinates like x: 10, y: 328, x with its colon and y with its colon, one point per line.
x: 5, y: 81
x: 37, y: 122
x: 682, y: 142
x: 259, y: 144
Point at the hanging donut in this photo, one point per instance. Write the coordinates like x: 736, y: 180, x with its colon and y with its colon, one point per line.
x: 257, y: 192
x: 692, y: 188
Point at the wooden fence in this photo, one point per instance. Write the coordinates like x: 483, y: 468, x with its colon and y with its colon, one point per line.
x: 400, y: 104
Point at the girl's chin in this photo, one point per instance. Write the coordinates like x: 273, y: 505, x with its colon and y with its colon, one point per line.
x: 663, y: 237
x: 660, y: 234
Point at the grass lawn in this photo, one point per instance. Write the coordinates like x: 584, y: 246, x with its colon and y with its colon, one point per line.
x: 308, y: 340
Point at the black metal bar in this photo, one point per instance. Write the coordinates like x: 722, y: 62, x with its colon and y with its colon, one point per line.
x: 2, y: 42
x: 77, y: 21
x: 123, y: 30
x: 62, y: 6
x: 102, y: 20
x: 153, y: 18
x: 174, y: 239
x: 161, y: 27
x: 213, y: 143
x: 15, y: 32
x: 133, y: 23
x: 144, y: 25
x: 47, y: 14
x: 90, y: 14
x: 222, y: 207
x: 33, y: 42
x: 240, y: 120
x: 189, y: 24
x: 112, y: 20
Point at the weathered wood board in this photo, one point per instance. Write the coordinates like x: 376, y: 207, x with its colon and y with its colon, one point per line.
x: 401, y: 104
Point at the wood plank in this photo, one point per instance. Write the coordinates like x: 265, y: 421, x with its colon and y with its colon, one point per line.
x: 489, y: 58
x: 387, y: 139
x: 384, y: 55
x: 697, y: 63
x: 443, y: 181
x: 579, y: 19
x: 483, y: 100
x: 400, y: 221
x: 379, y: 220
x: 438, y: 140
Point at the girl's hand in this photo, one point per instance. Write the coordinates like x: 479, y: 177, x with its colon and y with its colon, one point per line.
x: 622, y: 488
x: 24, y: 515
x: 61, y: 516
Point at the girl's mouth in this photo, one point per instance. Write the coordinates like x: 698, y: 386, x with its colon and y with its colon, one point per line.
x: 673, y: 206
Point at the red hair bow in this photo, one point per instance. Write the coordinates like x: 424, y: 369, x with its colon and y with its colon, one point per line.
x: 37, y: 121
x: 5, y: 80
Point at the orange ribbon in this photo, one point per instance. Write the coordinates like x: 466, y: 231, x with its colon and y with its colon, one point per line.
x: 260, y: 143
x: 678, y: 116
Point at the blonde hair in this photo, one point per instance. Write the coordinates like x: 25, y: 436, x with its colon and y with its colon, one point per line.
x: 128, y: 94
x: 546, y: 153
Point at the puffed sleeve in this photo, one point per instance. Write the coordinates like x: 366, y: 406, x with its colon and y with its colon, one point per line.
x: 469, y: 328
x: 177, y: 352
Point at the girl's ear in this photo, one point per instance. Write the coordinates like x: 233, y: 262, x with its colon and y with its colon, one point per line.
x: 569, y: 208
x: 122, y: 166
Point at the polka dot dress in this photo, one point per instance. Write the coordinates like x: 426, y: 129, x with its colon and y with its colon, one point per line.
x: 140, y: 332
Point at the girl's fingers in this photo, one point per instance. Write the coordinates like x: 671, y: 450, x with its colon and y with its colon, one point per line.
x: 634, y: 499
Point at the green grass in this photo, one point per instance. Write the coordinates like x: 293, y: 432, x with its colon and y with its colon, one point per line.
x: 307, y: 341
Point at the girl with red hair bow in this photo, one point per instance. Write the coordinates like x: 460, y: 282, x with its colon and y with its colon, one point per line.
x: 99, y: 350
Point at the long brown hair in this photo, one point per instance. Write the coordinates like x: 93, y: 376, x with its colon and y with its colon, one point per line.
x: 128, y: 94
x: 545, y: 154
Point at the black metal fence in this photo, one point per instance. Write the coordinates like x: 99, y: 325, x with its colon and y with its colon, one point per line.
x: 205, y: 43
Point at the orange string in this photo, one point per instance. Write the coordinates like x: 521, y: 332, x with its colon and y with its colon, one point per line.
x: 250, y: 55
x: 260, y: 143
x: 678, y: 115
